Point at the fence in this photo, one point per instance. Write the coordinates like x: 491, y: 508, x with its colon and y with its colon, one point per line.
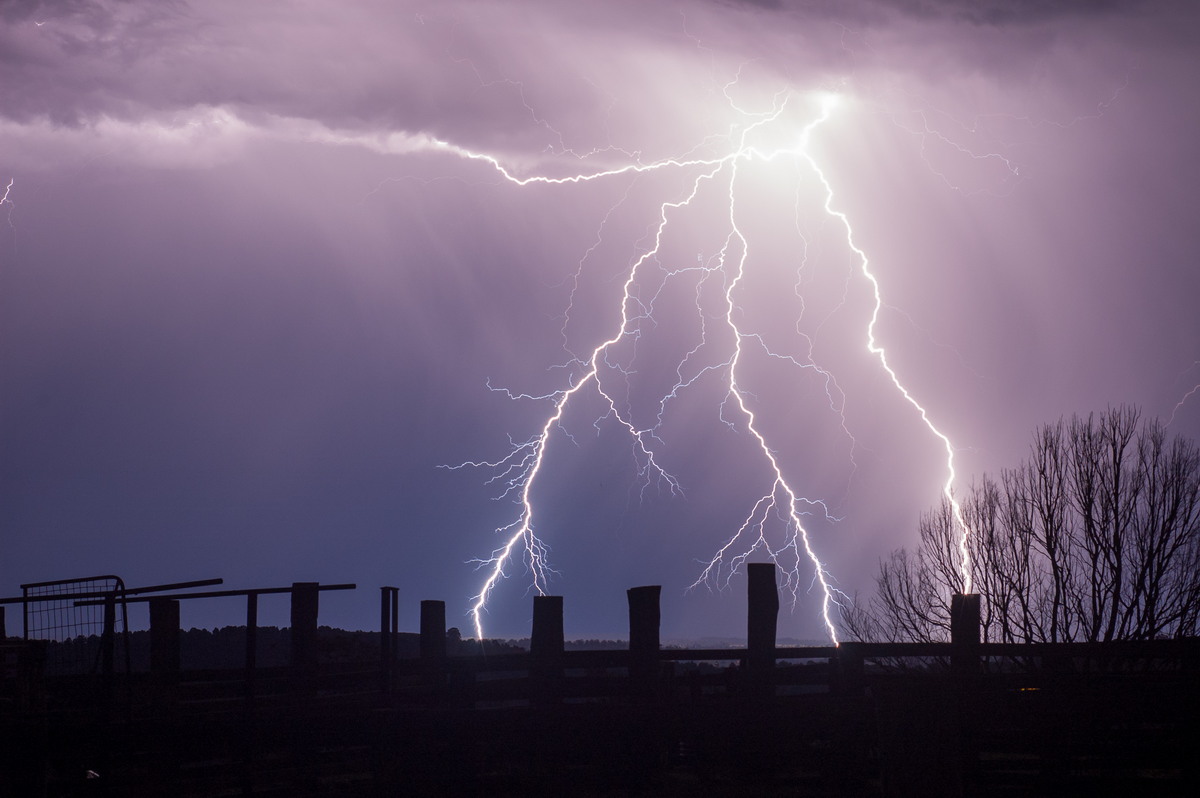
x: 74, y: 610
x: 85, y: 617
x: 83, y: 634
x: 963, y: 717
x: 762, y: 671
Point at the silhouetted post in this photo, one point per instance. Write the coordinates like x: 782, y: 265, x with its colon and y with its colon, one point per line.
x: 547, y: 637
x: 251, y: 642
x: 546, y: 649
x: 644, y: 622
x: 164, y: 676
x: 395, y: 648
x: 964, y: 633
x: 433, y: 646
x: 249, y: 737
x: 965, y: 667
x: 385, y: 624
x: 388, y: 631
x: 762, y: 617
x: 164, y: 650
x: 251, y: 663
x: 433, y: 631
x: 848, y: 670
x: 108, y: 642
x: 849, y: 752
x: 643, y: 735
x: 109, y: 638
x: 3, y: 633
x: 164, y: 639
x: 305, y: 596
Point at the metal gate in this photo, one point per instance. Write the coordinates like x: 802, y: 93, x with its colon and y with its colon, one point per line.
x: 81, y: 639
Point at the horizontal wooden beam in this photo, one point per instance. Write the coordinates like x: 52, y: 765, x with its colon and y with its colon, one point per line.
x: 257, y: 591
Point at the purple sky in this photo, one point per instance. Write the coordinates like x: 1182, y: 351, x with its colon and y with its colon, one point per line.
x: 248, y: 306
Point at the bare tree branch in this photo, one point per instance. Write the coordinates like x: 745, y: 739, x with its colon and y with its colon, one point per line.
x: 1095, y: 536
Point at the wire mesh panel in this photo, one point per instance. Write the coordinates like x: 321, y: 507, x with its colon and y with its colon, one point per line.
x: 77, y: 634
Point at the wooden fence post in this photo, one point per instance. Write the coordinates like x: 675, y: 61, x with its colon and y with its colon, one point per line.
x: 848, y: 669
x: 305, y: 597
x: 964, y: 633
x: 164, y: 652
x: 644, y: 623
x: 761, y: 621
x: 850, y: 750
x: 251, y: 659
x: 388, y: 629
x: 108, y: 638
x: 108, y: 642
x: 433, y: 631
x: 433, y: 647
x: 546, y: 650
x: 164, y: 676
x: 164, y: 639
x: 249, y: 741
x: 965, y: 667
x: 394, y: 650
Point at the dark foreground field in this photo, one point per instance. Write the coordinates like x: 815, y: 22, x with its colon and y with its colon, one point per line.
x: 511, y: 728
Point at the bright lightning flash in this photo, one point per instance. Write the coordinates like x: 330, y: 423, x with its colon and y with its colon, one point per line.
x: 519, y: 470
x: 1186, y: 396
x: 6, y: 201
x: 878, y: 350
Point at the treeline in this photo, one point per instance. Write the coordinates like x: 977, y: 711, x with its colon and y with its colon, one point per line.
x: 224, y: 648
x: 522, y: 644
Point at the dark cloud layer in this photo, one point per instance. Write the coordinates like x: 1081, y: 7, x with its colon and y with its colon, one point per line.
x: 248, y: 305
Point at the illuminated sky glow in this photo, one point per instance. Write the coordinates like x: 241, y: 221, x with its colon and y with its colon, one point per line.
x: 267, y: 269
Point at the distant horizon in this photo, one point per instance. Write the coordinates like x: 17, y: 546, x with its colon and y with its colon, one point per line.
x: 697, y: 643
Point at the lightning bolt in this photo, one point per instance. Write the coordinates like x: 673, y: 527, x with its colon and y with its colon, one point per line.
x: 6, y: 201
x: 518, y: 471
x: 522, y: 465
x: 781, y: 497
x: 1186, y: 396
x: 877, y: 349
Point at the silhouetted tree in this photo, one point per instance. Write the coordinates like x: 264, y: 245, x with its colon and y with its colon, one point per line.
x: 1095, y: 537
